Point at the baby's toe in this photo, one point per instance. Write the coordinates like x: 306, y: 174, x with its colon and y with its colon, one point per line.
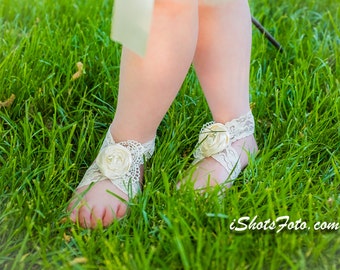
x: 97, y: 216
x: 109, y: 216
x: 121, y: 210
x: 84, y: 216
x: 73, y: 211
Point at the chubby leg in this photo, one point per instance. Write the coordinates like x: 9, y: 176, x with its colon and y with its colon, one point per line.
x: 222, y: 62
x: 148, y: 85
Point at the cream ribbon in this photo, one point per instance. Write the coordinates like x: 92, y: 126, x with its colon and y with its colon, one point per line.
x: 131, y: 23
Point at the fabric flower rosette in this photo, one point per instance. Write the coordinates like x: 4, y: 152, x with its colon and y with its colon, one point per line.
x: 213, y: 139
x: 114, y: 161
x: 121, y: 164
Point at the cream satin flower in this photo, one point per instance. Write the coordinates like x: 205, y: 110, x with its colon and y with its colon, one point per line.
x: 213, y: 139
x: 114, y: 161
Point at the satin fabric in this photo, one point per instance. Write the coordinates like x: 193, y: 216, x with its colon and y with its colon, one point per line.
x: 131, y: 23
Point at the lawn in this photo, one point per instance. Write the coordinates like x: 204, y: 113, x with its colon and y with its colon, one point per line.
x: 283, y: 210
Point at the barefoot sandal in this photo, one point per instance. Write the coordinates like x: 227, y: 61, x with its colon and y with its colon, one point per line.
x: 120, y: 163
x: 215, y: 140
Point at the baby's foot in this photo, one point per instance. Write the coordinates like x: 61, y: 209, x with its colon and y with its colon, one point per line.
x: 222, y: 152
x: 210, y: 172
x: 112, y: 179
x: 101, y: 204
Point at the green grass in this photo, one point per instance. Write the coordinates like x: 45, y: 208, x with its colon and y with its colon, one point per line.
x: 52, y: 132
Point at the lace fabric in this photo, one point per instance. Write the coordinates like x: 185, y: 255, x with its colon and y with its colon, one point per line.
x: 120, y: 163
x: 228, y: 157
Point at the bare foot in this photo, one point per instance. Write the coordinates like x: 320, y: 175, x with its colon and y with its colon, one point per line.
x: 210, y: 172
x: 113, y: 178
x: 98, y: 205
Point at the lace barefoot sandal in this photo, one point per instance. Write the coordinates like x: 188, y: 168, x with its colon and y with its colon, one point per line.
x: 120, y: 163
x: 215, y: 140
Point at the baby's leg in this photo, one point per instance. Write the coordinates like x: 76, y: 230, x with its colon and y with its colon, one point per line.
x: 149, y: 85
x: 147, y: 88
x: 222, y: 61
